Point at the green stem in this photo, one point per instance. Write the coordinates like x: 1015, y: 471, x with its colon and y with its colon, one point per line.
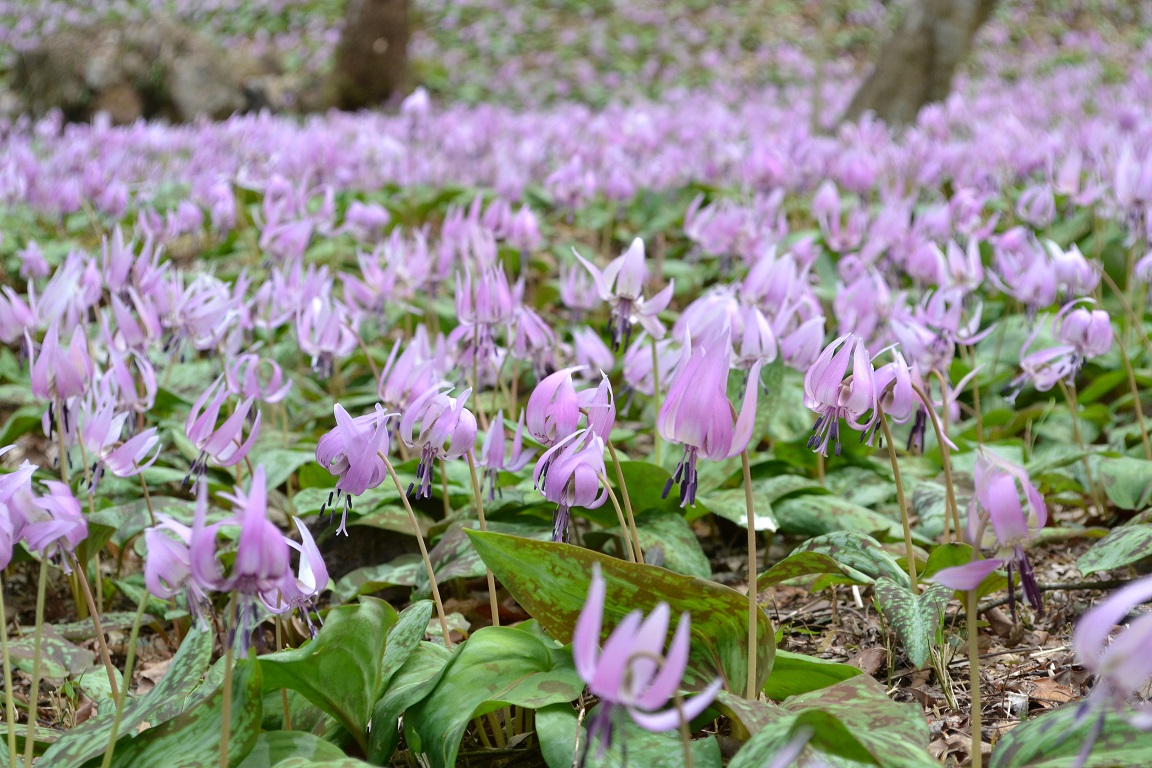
x: 423, y: 550
x: 751, y: 692
x: 656, y: 398
x: 1135, y: 396
x: 123, y: 697
x: 9, y: 705
x: 945, y: 461
x: 620, y: 518
x: 226, y: 704
x: 685, y: 735
x: 492, y: 601
x: 899, y: 496
x: 974, y: 678
x: 639, y: 554
x: 101, y: 643
x: 34, y: 692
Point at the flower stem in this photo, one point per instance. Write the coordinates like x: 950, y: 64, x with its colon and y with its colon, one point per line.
x: 101, y: 643
x: 1128, y: 313
x: 751, y: 692
x: 226, y: 704
x: 123, y: 697
x: 423, y: 551
x: 639, y: 554
x: 1073, y: 401
x: 620, y: 518
x: 1135, y: 396
x: 899, y: 497
x: 9, y: 705
x: 945, y: 460
x: 34, y: 692
x: 655, y: 397
x: 974, y: 678
x: 685, y: 734
x: 492, y: 601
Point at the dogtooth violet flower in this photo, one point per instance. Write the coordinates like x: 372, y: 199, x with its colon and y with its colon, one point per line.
x: 631, y: 672
x: 696, y: 413
x: 1123, y: 665
x: 223, y: 445
x: 168, y: 566
x: 621, y: 284
x: 835, y: 394
x: 999, y: 486
x: 447, y: 431
x: 53, y: 524
x: 492, y: 452
x: 568, y: 474
x: 298, y: 590
x: 59, y: 373
x: 1084, y: 334
x: 352, y: 452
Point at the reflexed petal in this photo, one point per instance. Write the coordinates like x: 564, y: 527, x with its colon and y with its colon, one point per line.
x: 968, y: 576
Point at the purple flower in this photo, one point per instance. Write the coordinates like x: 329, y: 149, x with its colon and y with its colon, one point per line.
x: 638, y: 364
x: 697, y: 414
x: 352, y: 451
x: 568, y: 474
x: 632, y: 672
x: 999, y: 486
x: 492, y: 452
x: 621, y: 284
x: 168, y: 566
x: 553, y: 410
x: 61, y: 373
x: 297, y: 591
x: 834, y: 394
x: 53, y: 523
x: 447, y: 431
x: 244, y: 379
x: 223, y: 445
x: 1084, y: 333
x: 410, y: 373
x: 101, y: 435
x: 325, y: 330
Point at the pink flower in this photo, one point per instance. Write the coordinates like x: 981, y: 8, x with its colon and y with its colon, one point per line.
x: 621, y: 284
x: 224, y: 444
x: 297, y: 591
x: 447, y: 431
x: 244, y: 379
x: 53, y: 523
x: 697, y: 413
x: 492, y: 452
x: 352, y: 451
x: 632, y: 672
x: 834, y: 394
x: 568, y: 474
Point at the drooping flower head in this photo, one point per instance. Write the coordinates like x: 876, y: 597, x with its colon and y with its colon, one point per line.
x: 568, y: 474
x: 223, y: 445
x: 835, y: 394
x: 1083, y: 334
x: 621, y: 284
x: 632, y: 673
x: 447, y: 431
x: 53, y: 524
x: 492, y: 452
x: 298, y: 590
x: 352, y: 451
x: 697, y: 414
x: 1000, y: 484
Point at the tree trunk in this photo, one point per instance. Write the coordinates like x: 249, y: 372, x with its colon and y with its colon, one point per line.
x: 916, y: 65
x: 372, y: 54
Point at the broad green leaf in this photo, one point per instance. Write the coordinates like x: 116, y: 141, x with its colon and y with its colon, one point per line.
x: 914, y: 617
x: 58, y: 657
x: 854, y: 722
x: 280, y: 463
x: 812, y: 515
x: 453, y: 557
x: 192, y: 739
x: 1054, y: 740
x: 412, y: 682
x: 946, y: 556
x: 795, y: 673
x: 82, y: 630
x: 1123, y: 546
x: 303, y: 762
x: 631, y: 745
x: 551, y: 582
x: 273, y: 748
x: 679, y: 546
x: 496, y: 666
x: 1127, y: 481
x: 404, y: 571
x: 342, y: 670
x: 403, y: 638
x: 857, y: 556
x: 645, y: 484
x: 731, y: 504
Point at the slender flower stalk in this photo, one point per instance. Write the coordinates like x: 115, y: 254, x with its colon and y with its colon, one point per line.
x: 9, y: 704
x: 629, y: 553
x: 492, y: 599
x: 34, y: 685
x: 945, y: 460
x: 750, y: 688
x: 123, y: 697
x: 909, y: 553
x: 637, y: 552
x: 1136, y: 405
x: 423, y: 550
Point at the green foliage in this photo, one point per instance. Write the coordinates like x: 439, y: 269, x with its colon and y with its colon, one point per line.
x: 1055, y: 740
x: 916, y: 618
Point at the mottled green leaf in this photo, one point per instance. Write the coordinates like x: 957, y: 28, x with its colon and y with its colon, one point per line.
x: 631, y: 745
x: 645, y: 484
x: 342, y: 670
x: 1127, y: 481
x: 192, y: 739
x: 678, y: 544
x: 1054, y: 740
x: 58, y: 657
x: 796, y: 673
x: 731, y: 504
x: 946, y: 556
x: 856, y: 556
x: 453, y: 557
x: 412, y: 682
x: 273, y: 748
x: 403, y: 570
x: 303, y: 762
x: 496, y: 666
x: 280, y: 463
x: 812, y: 515
x: 853, y: 723
x: 551, y: 581
x: 82, y: 630
x: 1123, y: 546
x: 914, y: 617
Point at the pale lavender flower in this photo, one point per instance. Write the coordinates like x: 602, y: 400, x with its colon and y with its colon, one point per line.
x: 447, y: 431
x: 352, y: 451
x: 223, y: 445
x: 326, y: 330
x: 492, y: 452
x: 568, y: 474
x: 299, y: 590
x: 53, y: 523
x: 244, y: 379
x: 835, y: 394
x: 631, y: 672
x: 621, y: 284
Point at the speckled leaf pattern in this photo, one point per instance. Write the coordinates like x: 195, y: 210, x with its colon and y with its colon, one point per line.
x: 551, y: 582
x: 1127, y: 481
x: 1054, y: 739
x: 856, y: 556
x: 158, y: 705
x: 58, y: 657
x: 498, y: 665
x: 192, y: 740
x: 915, y: 618
x: 342, y: 670
x: 795, y: 673
x: 854, y: 723
x: 1121, y: 547
x: 273, y: 748
x: 412, y: 682
x: 813, y: 515
x: 677, y: 541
